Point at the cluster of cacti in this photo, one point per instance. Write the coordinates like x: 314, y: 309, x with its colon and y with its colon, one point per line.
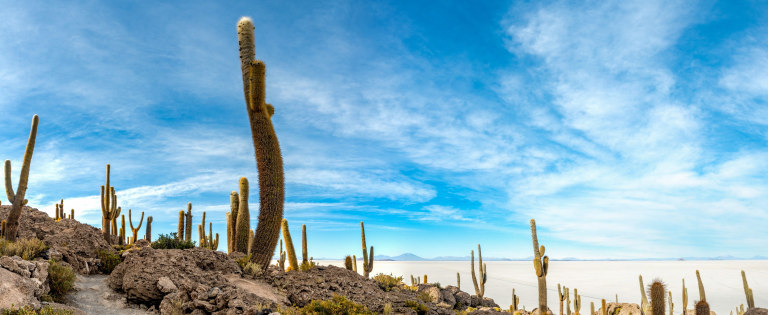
x: 148, y: 235
x: 541, y: 265
x: 207, y: 241
x: 60, y: 211
x: 479, y: 287
x: 269, y: 160
x: 109, y: 212
x: 293, y: 264
x: 17, y: 198
x: 748, y: 291
x: 184, y: 232
x: 367, y: 260
x: 415, y: 281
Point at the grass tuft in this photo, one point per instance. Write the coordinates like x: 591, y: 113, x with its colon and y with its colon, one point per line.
x: 27, y: 249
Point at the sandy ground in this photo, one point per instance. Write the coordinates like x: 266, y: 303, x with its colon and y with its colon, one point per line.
x: 94, y: 297
x: 596, y: 280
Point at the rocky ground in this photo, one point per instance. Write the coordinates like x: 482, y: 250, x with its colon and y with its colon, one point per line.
x: 201, y: 281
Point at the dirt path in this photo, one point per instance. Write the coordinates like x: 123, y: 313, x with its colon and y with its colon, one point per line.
x: 94, y: 297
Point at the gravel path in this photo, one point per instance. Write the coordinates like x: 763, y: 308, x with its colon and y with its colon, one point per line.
x: 94, y: 297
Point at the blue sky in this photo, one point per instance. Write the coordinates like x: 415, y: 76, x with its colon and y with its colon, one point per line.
x: 628, y: 129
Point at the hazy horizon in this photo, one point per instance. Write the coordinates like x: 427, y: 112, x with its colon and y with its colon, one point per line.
x: 627, y: 129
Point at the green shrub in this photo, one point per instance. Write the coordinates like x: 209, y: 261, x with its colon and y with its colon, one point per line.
x: 61, y: 279
x: 109, y: 260
x: 28, y: 310
x: 27, y: 249
x: 337, y: 305
x: 170, y: 241
x: 424, y: 296
x: 418, y: 307
x: 388, y: 282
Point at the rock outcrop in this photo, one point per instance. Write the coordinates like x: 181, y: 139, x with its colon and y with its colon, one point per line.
x: 22, y: 282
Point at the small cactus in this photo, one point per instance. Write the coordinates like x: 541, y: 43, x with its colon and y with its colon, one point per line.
x: 541, y: 265
x: 685, y: 299
x: 121, y: 233
x: 671, y: 304
x: 425, y: 279
x: 304, y: 244
x: 188, y: 224
x: 180, y: 233
x: 458, y: 281
x: 234, y: 205
x: 135, y: 231
x: 657, y: 290
x: 293, y: 264
x: 281, y: 262
x: 748, y: 291
x: 561, y: 294
x: 479, y: 285
x: 348, y: 262
x: 515, y: 300
x: 354, y: 263
x: 17, y: 198
x: 148, y: 235
x: 367, y: 261
x: 2, y: 229
x: 243, y: 224
x: 72, y: 214
x: 592, y: 308
x: 604, y: 309
x: 577, y: 302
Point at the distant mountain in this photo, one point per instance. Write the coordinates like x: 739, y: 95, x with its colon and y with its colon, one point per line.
x: 414, y: 257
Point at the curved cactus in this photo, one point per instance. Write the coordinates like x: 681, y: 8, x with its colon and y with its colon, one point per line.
x: 17, y: 198
x: 479, y: 288
x: 293, y: 264
x: 135, y: 231
x: 561, y: 295
x: 269, y: 160
x: 541, y: 265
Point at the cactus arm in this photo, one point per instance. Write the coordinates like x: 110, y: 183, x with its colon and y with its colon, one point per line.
x: 9, y: 182
x: 702, y: 296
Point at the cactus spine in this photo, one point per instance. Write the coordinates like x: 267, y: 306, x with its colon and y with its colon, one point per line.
x: 348, y: 262
x: 541, y: 265
x: 657, y: 297
x: 702, y: 296
x: 135, y: 231
x: 685, y: 299
x: 702, y: 308
x: 269, y: 160
x: 367, y: 261
x: 17, y: 198
x: 479, y: 288
x: 748, y: 291
x: 109, y: 210
x: 243, y: 226
x: 293, y: 264
x: 148, y: 235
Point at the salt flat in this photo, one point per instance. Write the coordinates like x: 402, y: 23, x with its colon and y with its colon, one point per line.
x: 596, y: 280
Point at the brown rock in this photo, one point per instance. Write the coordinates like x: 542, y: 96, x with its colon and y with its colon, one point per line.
x: 756, y: 311
x: 16, y: 290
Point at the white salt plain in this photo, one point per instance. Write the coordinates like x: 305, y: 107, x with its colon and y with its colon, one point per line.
x: 597, y: 280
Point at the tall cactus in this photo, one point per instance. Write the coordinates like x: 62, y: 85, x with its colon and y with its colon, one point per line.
x: 135, y: 231
x: 17, y: 198
x: 180, y: 232
x: 188, y: 224
x: 577, y: 302
x: 304, y: 259
x: 685, y: 299
x: 561, y: 295
x: 243, y: 225
x: 293, y: 264
x: 645, y: 307
x: 541, y: 265
x: 657, y: 297
x: 748, y: 291
x: 479, y: 287
x: 234, y: 203
x: 148, y: 235
x: 367, y: 261
x: 269, y: 160
x: 671, y: 304
x: 702, y: 296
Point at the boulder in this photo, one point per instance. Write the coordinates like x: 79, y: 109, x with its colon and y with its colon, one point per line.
x: 621, y: 308
x: 17, y: 290
x: 756, y: 311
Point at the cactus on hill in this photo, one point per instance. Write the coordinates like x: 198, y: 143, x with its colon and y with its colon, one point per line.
x: 269, y: 160
x: 2, y: 229
x: 17, y: 198
x: 188, y: 223
x: 207, y: 241
x: 72, y: 214
x: 479, y: 285
x: 109, y: 210
x: 121, y: 233
x: 135, y: 230
x: 180, y: 232
x: 541, y: 265
x: 367, y: 260
x: 293, y: 263
x: 458, y: 281
x: 354, y: 263
x: 304, y: 259
x: 748, y: 291
x: 148, y: 235
x: 234, y: 204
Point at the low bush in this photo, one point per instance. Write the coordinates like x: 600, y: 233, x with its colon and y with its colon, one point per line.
x: 109, y: 260
x: 28, y: 310
x: 170, y: 241
x: 337, y: 305
x: 388, y: 282
x: 27, y: 249
x: 424, y: 296
x: 61, y: 279
x: 418, y: 307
